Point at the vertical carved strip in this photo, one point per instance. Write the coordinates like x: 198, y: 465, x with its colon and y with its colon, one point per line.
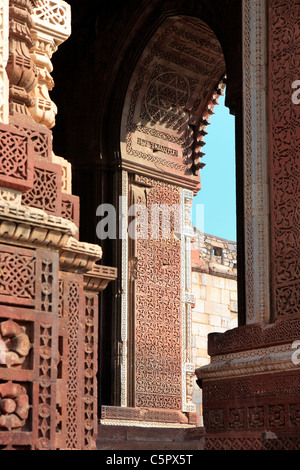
x: 124, y: 288
x: 284, y: 40
x: 45, y: 349
x: 4, y: 85
x: 188, y: 368
x: 256, y: 187
x: 90, y: 370
x: 45, y: 409
x: 74, y: 391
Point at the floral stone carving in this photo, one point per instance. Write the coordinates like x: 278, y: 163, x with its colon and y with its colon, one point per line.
x: 14, y: 406
x: 14, y: 344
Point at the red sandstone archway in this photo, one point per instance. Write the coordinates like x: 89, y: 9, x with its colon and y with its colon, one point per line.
x: 107, y: 49
x: 170, y: 97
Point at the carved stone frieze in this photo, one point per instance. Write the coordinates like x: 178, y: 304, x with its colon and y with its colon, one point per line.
x: 33, y: 227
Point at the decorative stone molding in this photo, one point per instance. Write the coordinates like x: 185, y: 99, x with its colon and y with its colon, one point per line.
x: 51, y: 26
x: 79, y: 257
x: 98, y: 279
x: 257, y: 362
x: 33, y: 227
x: 256, y: 187
x: 10, y: 196
x: 188, y: 369
x: 4, y: 48
x: 127, y: 415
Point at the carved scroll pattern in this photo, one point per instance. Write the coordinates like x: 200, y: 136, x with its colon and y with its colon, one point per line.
x: 158, y: 313
x: 284, y: 155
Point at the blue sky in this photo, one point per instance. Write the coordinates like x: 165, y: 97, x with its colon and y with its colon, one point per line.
x: 217, y: 197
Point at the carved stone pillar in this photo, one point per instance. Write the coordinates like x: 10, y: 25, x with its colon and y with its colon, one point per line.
x: 251, y: 387
x: 21, y: 69
x: 48, y: 319
x: 4, y: 47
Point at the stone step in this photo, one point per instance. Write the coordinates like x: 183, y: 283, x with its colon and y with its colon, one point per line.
x: 117, y: 437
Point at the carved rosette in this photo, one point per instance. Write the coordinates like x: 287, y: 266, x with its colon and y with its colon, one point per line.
x: 14, y: 406
x: 14, y: 344
x: 21, y: 70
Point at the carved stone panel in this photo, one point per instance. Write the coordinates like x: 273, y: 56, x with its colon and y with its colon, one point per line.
x: 284, y: 40
x: 158, y: 348
x: 16, y: 159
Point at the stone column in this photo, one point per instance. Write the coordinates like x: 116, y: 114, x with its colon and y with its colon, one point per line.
x: 47, y: 319
x: 251, y: 387
x: 21, y: 70
x: 4, y: 26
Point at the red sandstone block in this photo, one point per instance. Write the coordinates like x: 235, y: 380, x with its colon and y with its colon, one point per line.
x: 46, y: 191
x: 40, y: 136
x: 16, y: 159
x: 70, y: 208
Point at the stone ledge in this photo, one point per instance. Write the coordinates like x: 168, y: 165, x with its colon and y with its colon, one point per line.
x: 236, y: 366
x: 148, y: 415
x: 130, y: 437
x: 249, y: 337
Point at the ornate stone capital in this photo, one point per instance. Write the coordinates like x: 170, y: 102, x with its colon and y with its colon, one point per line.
x: 51, y: 26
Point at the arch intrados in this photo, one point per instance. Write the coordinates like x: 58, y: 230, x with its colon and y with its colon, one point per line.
x: 171, y: 96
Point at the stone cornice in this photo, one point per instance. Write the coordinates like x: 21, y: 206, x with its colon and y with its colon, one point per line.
x: 31, y: 227
x: 98, y: 279
x: 269, y: 360
x: 79, y: 257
